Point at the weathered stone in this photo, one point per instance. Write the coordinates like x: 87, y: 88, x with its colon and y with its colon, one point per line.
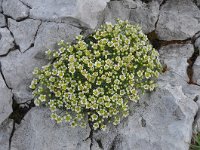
x: 15, y: 9
x: 1, y: 5
x: 24, y: 32
x: 198, y: 3
x: 86, y: 11
x: 5, y: 100
x: 196, y: 71
x: 38, y: 131
x: 197, y: 42
x: 146, y: 15
x: 162, y: 120
x: 137, y: 12
x: 175, y: 56
x: 6, y: 41
x: 17, y: 67
x: 179, y: 20
x: 116, y: 9
x: 2, y: 20
x: 5, y: 132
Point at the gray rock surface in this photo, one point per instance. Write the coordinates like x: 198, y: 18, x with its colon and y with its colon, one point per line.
x: 86, y: 11
x: 196, y: 71
x: 24, y: 32
x: 162, y: 120
x: 15, y: 9
x: 116, y: 9
x: 5, y: 132
x: 197, y: 42
x: 39, y: 132
x: 176, y: 56
x: 145, y: 15
x: 137, y: 12
x: 6, y: 41
x: 5, y: 101
x: 17, y: 67
x: 1, y: 5
x: 179, y: 20
x: 2, y: 20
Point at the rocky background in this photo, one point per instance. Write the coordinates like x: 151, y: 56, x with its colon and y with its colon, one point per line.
x: 163, y: 120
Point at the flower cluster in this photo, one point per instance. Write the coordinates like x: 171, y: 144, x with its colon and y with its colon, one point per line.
x: 97, y: 77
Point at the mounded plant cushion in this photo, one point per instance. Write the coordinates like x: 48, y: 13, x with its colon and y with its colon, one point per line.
x: 97, y: 77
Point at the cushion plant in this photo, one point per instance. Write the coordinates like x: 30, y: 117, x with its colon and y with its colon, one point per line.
x: 96, y: 78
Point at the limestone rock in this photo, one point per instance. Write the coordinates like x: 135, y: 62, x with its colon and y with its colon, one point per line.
x: 5, y: 132
x: 5, y: 101
x: 179, y: 20
x: 17, y: 67
x: 24, y: 32
x: 2, y: 20
x: 116, y: 9
x: 86, y: 11
x: 1, y: 5
x: 162, y: 120
x: 146, y: 15
x: 6, y: 41
x: 15, y: 9
x: 39, y: 132
x: 197, y: 42
x: 175, y: 56
x: 196, y: 71
x: 137, y: 12
x: 198, y: 3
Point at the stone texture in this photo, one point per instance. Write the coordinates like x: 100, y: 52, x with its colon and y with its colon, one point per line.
x: 24, y: 32
x: 86, y: 11
x: 197, y: 42
x: 6, y: 41
x: 5, y: 132
x: 2, y: 20
x: 1, y: 5
x: 5, y: 101
x: 179, y: 20
x: 15, y: 9
x: 198, y: 3
x: 17, y: 67
x: 196, y: 71
x: 175, y: 56
x: 137, y: 12
x: 146, y: 15
x: 162, y: 120
x: 38, y: 132
x: 116, y: 9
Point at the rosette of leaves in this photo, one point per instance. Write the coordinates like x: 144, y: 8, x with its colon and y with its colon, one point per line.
x: 97, y: 77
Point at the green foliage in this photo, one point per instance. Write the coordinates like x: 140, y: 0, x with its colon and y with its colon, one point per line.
x: 196, y: 142
x: 96, y: 78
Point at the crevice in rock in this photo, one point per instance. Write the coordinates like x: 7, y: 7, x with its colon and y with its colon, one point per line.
x: 1, y: 72
x: 160, y: 7
x: 11, y: 135
x: 157, y: 44
x: 143, y: 122
x: 25, y: 4
x: 20, y: 110
x: 14, y: 42
x: 191, y: 62
x: 99, y: 143
x: 114, y: 142
x: 196, y: 118
x: 91, y: 134
x: 36, y: 33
